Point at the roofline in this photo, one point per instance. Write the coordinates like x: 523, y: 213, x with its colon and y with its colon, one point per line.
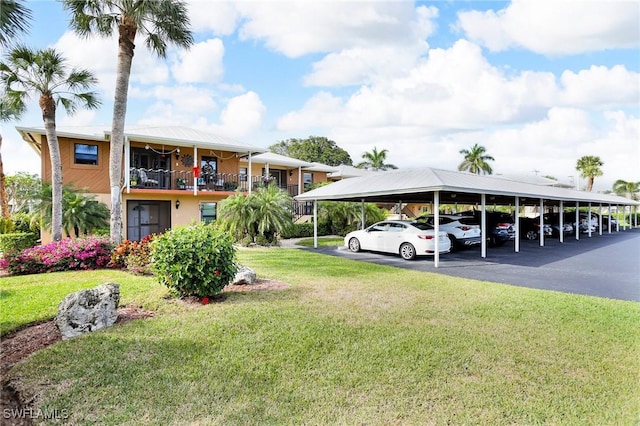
x: 106, y: 136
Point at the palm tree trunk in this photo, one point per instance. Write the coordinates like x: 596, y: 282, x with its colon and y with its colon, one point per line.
x: 589, y: 187
x: 125, y: 57
x: 4, y: 204
x: 48, y: 115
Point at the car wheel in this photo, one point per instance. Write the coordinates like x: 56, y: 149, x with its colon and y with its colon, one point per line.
x: 354, y: 245
x: 407, y: 251
x: 531, y: 235
x: 454, y: 243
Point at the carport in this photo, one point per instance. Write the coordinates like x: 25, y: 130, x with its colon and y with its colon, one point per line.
x: 428, y: 185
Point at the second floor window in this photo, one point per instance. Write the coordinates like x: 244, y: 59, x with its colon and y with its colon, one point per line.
x: 85, y: 154
x: 308, y: 179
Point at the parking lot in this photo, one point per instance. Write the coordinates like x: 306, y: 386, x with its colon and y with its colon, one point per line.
x: 605, y: 265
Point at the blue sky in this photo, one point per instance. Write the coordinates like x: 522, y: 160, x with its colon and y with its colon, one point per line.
x: 539, y: 84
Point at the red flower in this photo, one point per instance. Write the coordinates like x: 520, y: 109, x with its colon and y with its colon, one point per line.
x: 216, y: 272
x: 205, y: 300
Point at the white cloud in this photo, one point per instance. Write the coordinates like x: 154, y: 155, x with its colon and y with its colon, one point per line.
x: 218, y: 17
x: 242, y: 116
x: 556, y: 28
x: 202, y: 63
x: 600, y: 86
x: 296, y: 28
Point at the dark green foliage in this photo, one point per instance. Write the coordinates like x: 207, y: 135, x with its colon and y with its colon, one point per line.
x: 198, y: 260
x: 17, y: 241
x: 313, y: 149
x: 344, y: 217
x: 303, y: 230
x: 260, y: 216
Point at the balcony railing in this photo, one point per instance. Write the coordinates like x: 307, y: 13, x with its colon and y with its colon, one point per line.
x: 142, y: 178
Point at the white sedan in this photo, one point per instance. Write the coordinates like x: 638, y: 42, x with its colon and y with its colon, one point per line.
x: 409, y: 239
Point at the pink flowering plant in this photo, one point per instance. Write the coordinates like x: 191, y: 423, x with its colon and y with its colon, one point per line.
x: 64, y: 255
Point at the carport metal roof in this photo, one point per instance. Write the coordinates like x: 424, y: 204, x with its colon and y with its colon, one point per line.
x: 418, y: 186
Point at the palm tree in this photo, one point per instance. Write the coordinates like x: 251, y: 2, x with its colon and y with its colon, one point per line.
x: 476, y: 161
x: 160, y: 22
x: 589, y: 167
x: 627, y: 189
x: 15, y: 19
x: 273, y: 211
x: 44, y: 73
x: 375, y: 160
x: 81, y: 213
x: 237, y: 215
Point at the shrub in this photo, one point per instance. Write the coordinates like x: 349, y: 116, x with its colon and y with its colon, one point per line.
x: 6, y: 225
x: 198, y: 260
x: 26, y: 222
x: 305, y: 230
x: 134, y: 256
x: 64, y: 255
x: 17, y: 241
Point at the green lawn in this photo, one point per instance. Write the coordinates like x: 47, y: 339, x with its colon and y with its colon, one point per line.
x: 348, y: 343
x: 322, y: 242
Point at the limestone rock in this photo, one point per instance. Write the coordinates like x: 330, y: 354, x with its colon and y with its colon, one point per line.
x: 244, y: 276
x: 88, y: 310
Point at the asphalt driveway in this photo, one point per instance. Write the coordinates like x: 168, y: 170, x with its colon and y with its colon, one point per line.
x: 605, y: 265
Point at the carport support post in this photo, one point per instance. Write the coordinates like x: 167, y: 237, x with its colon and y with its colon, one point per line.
x: 436, y: 228
x: 541, y: 222
x: 609, y: 221
x: 561, y: 218
x: 363, y: 219
x: 483, y: 226
x: 589, y: 220
x: 617, y: 220
x: 315, y: 223
x: 600, y: 219
x: 577, y: 220
x: 517, y: 242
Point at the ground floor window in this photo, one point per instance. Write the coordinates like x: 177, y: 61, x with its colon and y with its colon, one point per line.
x: 147, y: 217
x: 208, y: 212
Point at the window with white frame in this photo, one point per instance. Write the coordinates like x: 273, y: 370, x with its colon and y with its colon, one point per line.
x: 308, y: 179
x: 208, y: 212
x: 85, y: 154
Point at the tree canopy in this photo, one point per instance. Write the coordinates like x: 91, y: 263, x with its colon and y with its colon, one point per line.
x: 375, y: 160
x: 317, y: 149
x: 627, y: 189
x: 476, y: 160
x: 589, y: 167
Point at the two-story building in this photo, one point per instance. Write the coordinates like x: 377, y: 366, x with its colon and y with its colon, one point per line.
x: 171, y: 175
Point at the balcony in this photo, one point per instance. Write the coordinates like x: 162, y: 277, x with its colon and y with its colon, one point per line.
x: 159, y: 179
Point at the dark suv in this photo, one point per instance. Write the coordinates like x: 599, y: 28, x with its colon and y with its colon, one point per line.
x: 500, y: 226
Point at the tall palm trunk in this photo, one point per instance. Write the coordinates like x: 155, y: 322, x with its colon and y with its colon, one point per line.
x: 48, y: 106
x: 126, y: 47
x: 4, y: 203
x: 589, y: 187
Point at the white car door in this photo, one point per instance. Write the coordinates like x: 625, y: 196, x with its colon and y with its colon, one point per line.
x: 394, y: 237
x: 374, y: 237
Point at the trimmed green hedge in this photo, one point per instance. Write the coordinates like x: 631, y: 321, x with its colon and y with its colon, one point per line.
x: 303, y: 230
x: 17, y: 241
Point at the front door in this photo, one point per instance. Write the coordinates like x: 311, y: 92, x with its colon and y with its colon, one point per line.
x: 147, y: 217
